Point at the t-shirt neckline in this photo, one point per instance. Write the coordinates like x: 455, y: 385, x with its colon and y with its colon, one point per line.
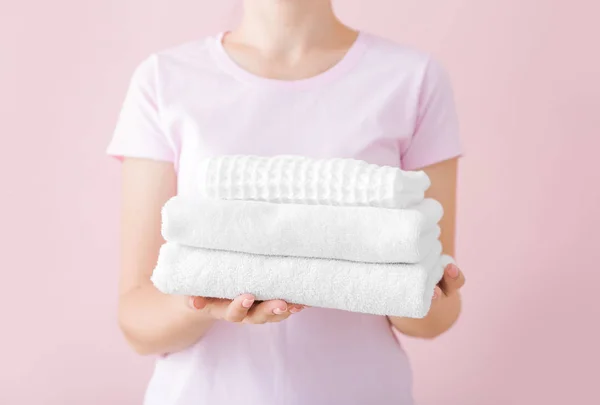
x: 347, y: 62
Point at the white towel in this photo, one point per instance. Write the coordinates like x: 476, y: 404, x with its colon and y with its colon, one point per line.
x: 302, y: 180
x: 381, y: 289
x: 362, y: 234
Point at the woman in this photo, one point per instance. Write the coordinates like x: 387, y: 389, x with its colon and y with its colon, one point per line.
x: 291, y: 79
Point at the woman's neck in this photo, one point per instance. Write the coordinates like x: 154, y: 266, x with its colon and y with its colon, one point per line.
x: 290, y: 26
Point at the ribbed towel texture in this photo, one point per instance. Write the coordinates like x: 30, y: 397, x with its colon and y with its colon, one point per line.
x: 337, y: 233
x: 303, y: 180
x: 360, y: 234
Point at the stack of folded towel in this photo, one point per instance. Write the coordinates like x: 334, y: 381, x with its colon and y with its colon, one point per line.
x: 332, y: 233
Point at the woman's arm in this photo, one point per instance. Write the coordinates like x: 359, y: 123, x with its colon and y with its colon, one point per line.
x: 152, y: 322
x: 446, y: 307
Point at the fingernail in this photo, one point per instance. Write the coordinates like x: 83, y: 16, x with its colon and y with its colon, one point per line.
x: 279, y: 311
x: 453, y: 271
x: 193, y: 303
x: 435, y: 294
x: 247, y: 303
x: 295, y: 310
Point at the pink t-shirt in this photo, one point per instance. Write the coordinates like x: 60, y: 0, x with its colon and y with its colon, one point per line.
x: 383, y: 103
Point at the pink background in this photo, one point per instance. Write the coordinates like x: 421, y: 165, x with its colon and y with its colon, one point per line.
x: 527, y: 79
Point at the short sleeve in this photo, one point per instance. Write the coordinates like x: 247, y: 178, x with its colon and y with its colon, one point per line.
x: 436, y: 135
x: 139, y: 132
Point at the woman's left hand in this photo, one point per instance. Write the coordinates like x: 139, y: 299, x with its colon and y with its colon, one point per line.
x: 451, y: 282
x: 444, y: 311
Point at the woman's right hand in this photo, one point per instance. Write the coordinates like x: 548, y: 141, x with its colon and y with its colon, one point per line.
x: 244, y: 309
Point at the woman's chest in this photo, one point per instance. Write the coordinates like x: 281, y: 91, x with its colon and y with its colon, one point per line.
x: 362, y: 125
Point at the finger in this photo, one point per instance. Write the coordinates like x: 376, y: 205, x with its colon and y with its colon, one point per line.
x: 268, y: 311
x: 453, y: 279
x: 237, y: 310
x: 279, y: 318
x: 197, y: 303
x: 294, y: 309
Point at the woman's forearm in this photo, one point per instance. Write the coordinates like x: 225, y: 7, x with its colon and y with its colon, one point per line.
x: 154, y: 323
x: 440, y: 318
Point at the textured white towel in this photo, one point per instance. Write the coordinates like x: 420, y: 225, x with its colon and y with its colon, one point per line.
x: 382, y: 289
x: 302, y: 180
x: 362, y: 234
